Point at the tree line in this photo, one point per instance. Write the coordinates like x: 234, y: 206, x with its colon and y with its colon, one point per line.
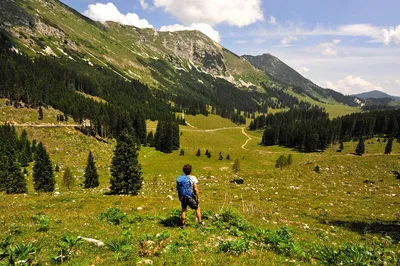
x: 312, y: 130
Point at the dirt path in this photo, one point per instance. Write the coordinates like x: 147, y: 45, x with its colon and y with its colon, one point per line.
x: 44, y: 125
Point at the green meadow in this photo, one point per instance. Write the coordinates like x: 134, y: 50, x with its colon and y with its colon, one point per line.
x: 290, y: 216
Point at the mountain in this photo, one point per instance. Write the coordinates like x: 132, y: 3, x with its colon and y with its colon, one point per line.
x: 287, y: 75
x: 184, y: 65
x: 376, y: 95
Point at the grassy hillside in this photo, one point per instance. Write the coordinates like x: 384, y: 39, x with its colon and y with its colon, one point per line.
x: 352, y: 199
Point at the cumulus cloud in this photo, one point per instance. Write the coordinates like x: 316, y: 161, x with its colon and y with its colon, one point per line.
x: 234, y: 12
x: 273, y: 21
x: 109, y: 12
x: 391, y: 35
x: 352, y: 85
x: 287, y: 41
x: 144, y: 4
x: 202, y: 27
x: 241, y: 42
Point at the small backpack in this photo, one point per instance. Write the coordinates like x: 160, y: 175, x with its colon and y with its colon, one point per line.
x: 183, y: 185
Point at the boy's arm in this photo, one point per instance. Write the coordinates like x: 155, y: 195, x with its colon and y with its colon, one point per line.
x: 196, y: 192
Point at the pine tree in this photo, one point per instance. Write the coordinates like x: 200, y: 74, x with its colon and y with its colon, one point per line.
x: 57, y: 168
x: 389, y: 146
x: 150, y: 139
x: 126, y: 175
x: 198, y: 153
x: 40, y: 113
x: 228, y: 157
x: 68, y: 179
x: 91, y: 176
x: 341, y: 147
x: 220, y: 156
x: 182, y: 152
x: 360, y: 149
x: 290, y: 159
x: 236, y: 166
x: 43, y: 177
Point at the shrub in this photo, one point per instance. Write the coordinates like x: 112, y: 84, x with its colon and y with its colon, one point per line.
x: 43, y: 222
x: 65, y: 251
x: 113, y: 215
x: 20, y: 254
x: 234, y: 247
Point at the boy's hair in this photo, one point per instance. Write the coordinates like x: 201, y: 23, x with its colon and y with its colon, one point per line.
x: 187, y: 169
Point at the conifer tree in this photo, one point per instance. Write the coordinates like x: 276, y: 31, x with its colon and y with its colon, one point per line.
x: 43, y: 177
x: 40, y: 113
x: 209, y: 155
x: 57, y: 168
x: 68, y: 179
x: 126, y: 174
x: 236, y: 166
x: 290, y: 160
x: 182, y: 152
x: 198, y: 153
x: 389, y: 146
x: 150, y: 139
x: 91, y: 176
x: 228, y: 157
x: 360, y: 149
x: 341, y: 147
x: 220, y: 156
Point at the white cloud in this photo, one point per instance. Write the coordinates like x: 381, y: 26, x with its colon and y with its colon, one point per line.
x: 109, y: 12
x: 328, y: 48
x: 374, y: 33
x: 352, y: 85
x: 273, y: 21
x: 234, y: 12
x: 391, y: 35
x: 287, y: 41
x: 397, y: 81
x: 144, y: 4
x: 241, y: 42
x: 202, y: 27
x: 303, y: 70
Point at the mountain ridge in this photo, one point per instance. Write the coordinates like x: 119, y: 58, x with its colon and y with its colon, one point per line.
x: 375, y: 94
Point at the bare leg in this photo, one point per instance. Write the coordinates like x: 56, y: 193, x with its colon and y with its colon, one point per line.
x: 183, y: 216
x: 198, y: 215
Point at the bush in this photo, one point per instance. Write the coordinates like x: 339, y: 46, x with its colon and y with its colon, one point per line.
x: 232, y: 218
x: 20, y: 254
x: 43, y: 222
x: 234, y: 247
x: 65, y: 251
x: 113, y: 215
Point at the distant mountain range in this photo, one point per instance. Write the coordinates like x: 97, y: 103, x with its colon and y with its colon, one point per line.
x: 184, y: 63
x: 274, y: 67
x: 375, y: 94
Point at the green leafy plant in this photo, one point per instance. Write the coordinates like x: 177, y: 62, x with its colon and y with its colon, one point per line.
x: 113, y: 215
x: 66, y: 248
x: 20, y: 254
x: 42, y: 221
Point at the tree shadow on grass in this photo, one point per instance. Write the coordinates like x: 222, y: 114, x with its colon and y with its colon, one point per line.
x: 391, y: 228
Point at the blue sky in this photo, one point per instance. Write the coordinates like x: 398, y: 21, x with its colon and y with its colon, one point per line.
x: 350, y: 46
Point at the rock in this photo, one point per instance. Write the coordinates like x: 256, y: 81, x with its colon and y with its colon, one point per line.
x: 92, y: 240
x: 170, y: 197
x: 139, y: 208
x: 145, y: 262
x: 56, y: 193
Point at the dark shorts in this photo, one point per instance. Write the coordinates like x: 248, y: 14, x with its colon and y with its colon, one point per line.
x: 191, y: 202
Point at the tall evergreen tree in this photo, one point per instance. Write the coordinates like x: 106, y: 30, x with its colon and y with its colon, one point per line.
x: 126, y: 174
x: 236, y: 166
x: 91, y: 176
x: 43, y: 177
x: 389, y: 146
x: 150, y: 139
x: 198, y: 153
x: 360, y: 149
x: 68, y: 179
x: 40, y: 113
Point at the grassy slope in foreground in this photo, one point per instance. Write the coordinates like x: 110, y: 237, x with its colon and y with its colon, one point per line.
x: 316, y: 206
